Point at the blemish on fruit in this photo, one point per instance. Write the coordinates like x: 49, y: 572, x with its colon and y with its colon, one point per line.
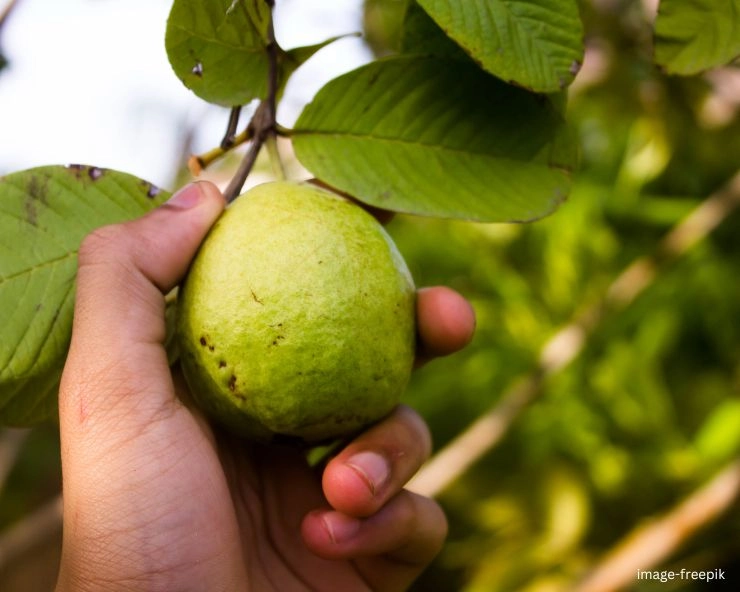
x: 255, y: 298
x: 203, y: 341
x: 222, y: 364
x: 232, y: 383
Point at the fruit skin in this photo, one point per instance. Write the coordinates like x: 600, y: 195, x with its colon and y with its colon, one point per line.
x: 296, y: 321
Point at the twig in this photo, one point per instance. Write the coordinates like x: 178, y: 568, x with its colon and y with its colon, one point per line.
x: 196, y: 164
x: 24, y: 536
x: 11, y: 442
x: 655, y: 541
x: 6, y: 12
x: 567, y: 344
x: 263, y: 123
x: 228, y: 140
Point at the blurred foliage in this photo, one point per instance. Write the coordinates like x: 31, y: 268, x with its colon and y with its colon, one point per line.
x: 651, y: 408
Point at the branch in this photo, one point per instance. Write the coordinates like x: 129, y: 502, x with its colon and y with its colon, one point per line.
x: 196, y: 164
x: 567, y: 344
x: 651, y: 544
x: 230, y: 135
x: 263, y: 123
x: 6, y: 12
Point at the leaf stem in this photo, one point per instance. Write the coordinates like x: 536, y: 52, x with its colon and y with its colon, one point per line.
x: 275, y: 160
x: 263, y: 123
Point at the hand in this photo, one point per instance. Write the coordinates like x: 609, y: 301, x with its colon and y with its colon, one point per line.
x: 155, y: 498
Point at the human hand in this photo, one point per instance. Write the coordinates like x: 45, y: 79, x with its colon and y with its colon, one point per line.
x: 155, y: 498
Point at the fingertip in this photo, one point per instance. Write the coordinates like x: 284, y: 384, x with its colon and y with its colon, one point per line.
x: 354, y: 485
x: 445, y: 321
x: 326, y: 532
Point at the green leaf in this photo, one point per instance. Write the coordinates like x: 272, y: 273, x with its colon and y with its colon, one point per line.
x: 218, y: 48
x: 421, y: 35
x: 438, y: 137
x: 537, y: 44
x: 718, y: 438
x: 44, y: 214
x: 692, y: 36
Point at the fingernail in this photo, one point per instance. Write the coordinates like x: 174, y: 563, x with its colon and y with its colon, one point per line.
x: 371, y: 468
x: 187, y: 197
x: 339, y: 527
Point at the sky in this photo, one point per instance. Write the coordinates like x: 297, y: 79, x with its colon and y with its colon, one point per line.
x: 89, y: 82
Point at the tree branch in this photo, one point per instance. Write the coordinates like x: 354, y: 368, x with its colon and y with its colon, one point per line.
x: 651, y: 544
x: 567, y: 344
x: 263, y: 123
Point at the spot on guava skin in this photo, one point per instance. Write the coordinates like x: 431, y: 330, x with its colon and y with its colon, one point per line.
x: 232, y: 383
x: 222, y: 364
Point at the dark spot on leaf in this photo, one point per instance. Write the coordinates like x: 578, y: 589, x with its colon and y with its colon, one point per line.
x: 95, y: 173
x: 77, y: 169
x: 37, y: 189
x: 36, y: 194
x: 153, y: 191
x: 575, y: 67
x: 197, y: 70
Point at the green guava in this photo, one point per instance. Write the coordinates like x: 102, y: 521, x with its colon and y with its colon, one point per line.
x: 296, y: 321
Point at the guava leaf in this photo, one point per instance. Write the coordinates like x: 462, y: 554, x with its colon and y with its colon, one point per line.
x: 44, y: 214
x: 421, y: 35
x: 218, y: 48
x: 537, y: 44
x: 694, y: 36
x: 438, y: 137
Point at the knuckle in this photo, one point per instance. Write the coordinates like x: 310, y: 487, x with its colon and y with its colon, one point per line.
x: 100, y: 244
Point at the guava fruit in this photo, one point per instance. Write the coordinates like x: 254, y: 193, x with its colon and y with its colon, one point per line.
x: 296, y: 321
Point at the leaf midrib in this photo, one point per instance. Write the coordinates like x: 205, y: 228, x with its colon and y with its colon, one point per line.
x: 440, y: 147
x: 37, y: 267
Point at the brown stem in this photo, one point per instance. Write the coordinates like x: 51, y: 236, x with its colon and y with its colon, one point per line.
x: 263, y: 123
x: 6, y: 12
x: 230, y: 135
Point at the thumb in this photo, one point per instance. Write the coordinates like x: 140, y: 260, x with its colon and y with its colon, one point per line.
x: 118, y: 331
